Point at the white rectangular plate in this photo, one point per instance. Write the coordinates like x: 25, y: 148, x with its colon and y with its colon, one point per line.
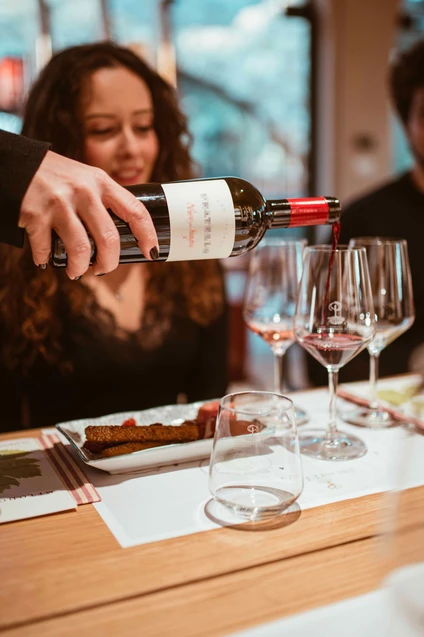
x: 74, y: 431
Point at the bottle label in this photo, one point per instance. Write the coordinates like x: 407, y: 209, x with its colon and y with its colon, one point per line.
x: 202, y: 220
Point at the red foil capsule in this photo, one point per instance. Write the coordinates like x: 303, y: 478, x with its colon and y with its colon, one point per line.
x: 308, y: 212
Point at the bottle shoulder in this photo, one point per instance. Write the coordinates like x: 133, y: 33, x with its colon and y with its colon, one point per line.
x: 245, y: 189
x: 242, y: 191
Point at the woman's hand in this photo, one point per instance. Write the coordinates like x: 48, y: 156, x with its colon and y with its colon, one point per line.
x: 69, y: 197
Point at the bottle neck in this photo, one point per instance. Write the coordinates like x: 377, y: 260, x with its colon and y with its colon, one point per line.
x: 308, y: 211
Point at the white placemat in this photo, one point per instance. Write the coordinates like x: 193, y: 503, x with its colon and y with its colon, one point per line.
x: 169, y: 501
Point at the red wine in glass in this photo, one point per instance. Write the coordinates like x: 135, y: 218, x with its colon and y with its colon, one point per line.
x: 334, y: 321
x: 333, y: 349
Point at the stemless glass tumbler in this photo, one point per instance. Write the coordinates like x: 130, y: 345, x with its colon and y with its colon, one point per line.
x: 255, y: 467
x: 334, y: 321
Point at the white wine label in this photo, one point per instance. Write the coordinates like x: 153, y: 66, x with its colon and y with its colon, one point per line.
x: 202, y: 221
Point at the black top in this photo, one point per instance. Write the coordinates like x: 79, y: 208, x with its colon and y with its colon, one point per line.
x: 20, y: 159
x: 112, y: 375
x: 395, y: 210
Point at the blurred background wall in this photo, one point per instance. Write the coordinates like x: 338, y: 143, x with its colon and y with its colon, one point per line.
x: 289, y: 94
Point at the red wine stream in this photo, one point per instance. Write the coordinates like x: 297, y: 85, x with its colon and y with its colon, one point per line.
x: 334, y: 243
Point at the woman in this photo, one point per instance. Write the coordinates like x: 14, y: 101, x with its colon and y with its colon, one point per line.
x: 143, y: 334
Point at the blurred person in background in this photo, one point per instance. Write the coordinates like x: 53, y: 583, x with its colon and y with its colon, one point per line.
x: 40, y: 190
x: 143, y: 334
x: 395, y: 210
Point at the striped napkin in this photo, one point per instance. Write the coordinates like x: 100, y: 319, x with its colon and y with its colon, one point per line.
x: 69, y: 471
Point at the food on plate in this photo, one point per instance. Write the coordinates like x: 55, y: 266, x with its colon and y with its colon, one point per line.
x: 114, y: 440
x: 207, y: 412
x: 188, y: 431
x: 130, y: 422
x: 206, y: 417
x: 129, y: 447
x: 107, y: 441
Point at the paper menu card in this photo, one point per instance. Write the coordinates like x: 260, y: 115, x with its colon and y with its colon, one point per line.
x: 29, y: 486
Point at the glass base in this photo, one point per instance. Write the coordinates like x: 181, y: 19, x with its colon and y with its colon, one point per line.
x: 372, y: 418
x: 254, y: 502
x: 342, y: 446
x: 224, y: 515
x: 301, y: 416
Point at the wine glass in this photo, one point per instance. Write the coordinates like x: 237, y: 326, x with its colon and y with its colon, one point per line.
x: 334, y: 321
x: 391, y: 285
x: 255, y: 468
x: 270, y: 300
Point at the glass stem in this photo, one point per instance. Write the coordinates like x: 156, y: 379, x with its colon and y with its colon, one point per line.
x: 374, y: 360
x: 278, y: 373
x: 333, y: 377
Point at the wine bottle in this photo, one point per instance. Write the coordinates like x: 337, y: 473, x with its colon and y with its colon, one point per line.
x: 210, y: 219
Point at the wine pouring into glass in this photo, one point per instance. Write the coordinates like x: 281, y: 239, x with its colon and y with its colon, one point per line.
x: 270, y: 300
x: 391, y: 285
x: 334, y: 321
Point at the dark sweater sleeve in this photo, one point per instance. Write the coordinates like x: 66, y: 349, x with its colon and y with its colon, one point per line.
x: 20, y: 159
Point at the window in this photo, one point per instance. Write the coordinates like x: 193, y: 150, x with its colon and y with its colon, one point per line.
x: 244, y: 81
x: 243, y: 74
x: 410, y: 30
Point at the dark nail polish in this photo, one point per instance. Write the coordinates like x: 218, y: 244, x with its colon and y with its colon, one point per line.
x: 77, y: 278
x: 154, y: 254
x: 42, y: 266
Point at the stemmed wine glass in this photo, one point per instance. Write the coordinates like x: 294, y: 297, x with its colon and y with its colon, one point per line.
x: 391, y: 285
x: 334, y: 321
x: 270, y: 300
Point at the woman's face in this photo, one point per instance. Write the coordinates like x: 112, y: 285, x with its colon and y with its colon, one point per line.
x: 119, y: 136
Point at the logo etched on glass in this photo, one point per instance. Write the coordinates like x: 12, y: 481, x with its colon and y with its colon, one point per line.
x: 337, y: 318
x: 253, y: 429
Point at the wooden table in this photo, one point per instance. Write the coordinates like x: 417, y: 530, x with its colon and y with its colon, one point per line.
x: 66, y: 575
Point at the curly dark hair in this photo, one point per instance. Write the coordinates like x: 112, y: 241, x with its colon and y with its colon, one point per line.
x: 405, y: 77
x: 52, y: 111
x: 32, y: 301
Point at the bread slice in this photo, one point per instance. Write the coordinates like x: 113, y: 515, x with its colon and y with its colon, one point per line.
x: 130, y: 447
x: 115, y: 434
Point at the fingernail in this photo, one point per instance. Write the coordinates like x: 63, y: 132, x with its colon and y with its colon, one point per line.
x: 42, y: 266
x: 154, y: 254
x: 101, y: 274
x: 77, y: 278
